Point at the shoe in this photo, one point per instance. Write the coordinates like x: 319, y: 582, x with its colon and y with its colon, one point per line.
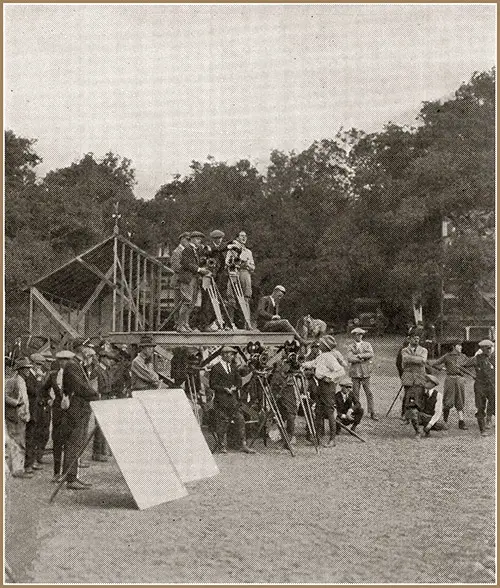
x: 418, y: 436
x: 374, y: 416
x: 353, y: 428
x: 37, y: 466
x: 41, y: 460
x: 29, y: 471
x: 245, y: 449
x: 75, y: 486
x: 83, y: 464
x: 80, y: 483
x: 25, y: 475
x: 462, y: 426
x: 293, y: 440
x: 99, y: 458
x: 56, y: 479
x: 487, y: 424
x: 330, y: 443
x: 484, y: 434
x: 183, y: 329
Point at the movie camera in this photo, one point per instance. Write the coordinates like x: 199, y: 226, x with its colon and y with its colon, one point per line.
x: 292, y: 355
x: 258, y: 356
x: 206, y: 259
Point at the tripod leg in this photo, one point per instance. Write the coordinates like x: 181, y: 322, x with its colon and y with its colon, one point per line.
x: 238, y: 292
x: 307, y: 410
x: 215, y: 303
x: 342, y: 426
x: 394, y: 401
x: 222, y: 305
x: 277, y: 415
x: 192, y: 396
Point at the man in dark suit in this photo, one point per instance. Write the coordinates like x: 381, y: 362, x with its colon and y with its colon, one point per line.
x: 349, y: 408
x: 225, y: 381
x: 189, y: 280
x: 76, y: 384
x: 268, y: 317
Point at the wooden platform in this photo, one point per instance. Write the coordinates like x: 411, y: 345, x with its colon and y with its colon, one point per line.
x: 174, y: 339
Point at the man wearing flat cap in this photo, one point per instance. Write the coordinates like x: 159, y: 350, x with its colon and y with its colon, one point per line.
x: 484, y: 384
x: 268, y: 317
x: 349, y: 409
x: 189, y: 279
x: 143, y: 376
x: 107, y: 361
x: 17, y: 414
x: 175, y: 264
x: 225, y: 381
x: 360, y: 358
x: 431, y: 407
x: 454, y: 383
x: 413, y: 378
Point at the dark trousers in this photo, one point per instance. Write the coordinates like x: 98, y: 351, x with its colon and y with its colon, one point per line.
x: 357, y: 415
x: 100, y: 448
x: 287, y: 405
x: 484, y: 397
x: 42, y: 434
x: 74, y: 447
x: 227, y: 409
x: 325, y: 408
x: 424, y: 419
x: 30, y: 456
x: 58, y: 438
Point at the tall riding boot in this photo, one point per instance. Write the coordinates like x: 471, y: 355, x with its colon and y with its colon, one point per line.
x: 446, y: 414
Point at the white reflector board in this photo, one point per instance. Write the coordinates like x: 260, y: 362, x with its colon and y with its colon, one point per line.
x: 139, y: 453
x: 179, y: 431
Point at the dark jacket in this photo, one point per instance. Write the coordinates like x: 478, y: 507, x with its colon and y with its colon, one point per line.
x: 190, y: 263
x: 344, y: 405
x: 266, y: 310
x: 76, y: 385
x: 220, y: 380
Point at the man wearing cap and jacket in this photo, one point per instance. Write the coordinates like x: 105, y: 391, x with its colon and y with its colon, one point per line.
x: 189, y: 280
x: 360, y: 358
x: 175, y: 264
x: 76, y: 384
x: 413, y: 378
x: 268, y: 316
x: 107, y: 360
x: 484, y: 384
x: 329, y: 371
x: 17, y: 414
x: 431, y: 407
x: 349, y: 409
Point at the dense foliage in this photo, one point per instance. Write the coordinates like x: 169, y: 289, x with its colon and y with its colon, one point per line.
x: 358, y: 215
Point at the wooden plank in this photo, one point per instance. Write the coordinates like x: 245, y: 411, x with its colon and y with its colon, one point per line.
x: 137, y: 292
x: 152, y: 296
x: 130, y: 298
x: 115, y: 273
x: 158, y: 300
x: 122, y: 290
x: 173, y: 339
x: 139, y: 452
x: 53, y: 312
x: 130, y: 274
x: 95, y: 270
x: 145, y: 254
x: 179, y: 431
x: 93, y: 298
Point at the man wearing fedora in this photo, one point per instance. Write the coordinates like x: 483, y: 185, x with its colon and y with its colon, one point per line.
x: 349, y: 409
x: 329, y: 371
x: 484, y: 384
x: 76, y: 384
x: 143, y: 376
x: 189, y: 279
x: 17, y: 414
x: 360, y: 358
x: 107, y: 361
x: 225, y: 381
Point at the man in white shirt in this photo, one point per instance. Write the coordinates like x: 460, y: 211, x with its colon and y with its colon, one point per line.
x: 432, y: 407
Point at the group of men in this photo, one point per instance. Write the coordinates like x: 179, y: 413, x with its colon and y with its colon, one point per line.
x: 200, y: 265
x: 56, y: 390
x: 424, y: 404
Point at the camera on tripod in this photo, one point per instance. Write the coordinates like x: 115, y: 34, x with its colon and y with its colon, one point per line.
x: 293, y: 357
x: 258, y: 356
x: 193, y: 360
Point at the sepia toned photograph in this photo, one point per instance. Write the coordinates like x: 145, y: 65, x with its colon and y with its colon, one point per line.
x: 249, y: 294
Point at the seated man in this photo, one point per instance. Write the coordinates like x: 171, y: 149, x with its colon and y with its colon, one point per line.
x: 349, y: 409
x: 432, y: 407
x: 268, y: 317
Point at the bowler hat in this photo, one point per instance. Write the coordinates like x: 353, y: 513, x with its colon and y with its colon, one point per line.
x: 24, y: 362
x: 146, y: 341
x: 358, y: 331
x: 217, y: 234
x: 328, y: 342
x: 486, y: 343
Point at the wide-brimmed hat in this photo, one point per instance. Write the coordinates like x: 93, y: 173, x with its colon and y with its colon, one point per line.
x: 358, y: 331
x: 431, y: 381
x: 146, y: 341
x: 217, y: 234
x: 196, y: 234
x: 328, y: 342
x: 486, y: 343
x: 24, y: 362
x: 65, y: 354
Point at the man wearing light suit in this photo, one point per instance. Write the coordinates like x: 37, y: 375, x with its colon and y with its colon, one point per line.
x: 360, y: 358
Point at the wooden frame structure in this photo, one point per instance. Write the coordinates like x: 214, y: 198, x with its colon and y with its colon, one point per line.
x: 117, y: 291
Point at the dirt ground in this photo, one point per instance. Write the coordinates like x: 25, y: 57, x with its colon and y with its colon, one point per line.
x: 390, y: 510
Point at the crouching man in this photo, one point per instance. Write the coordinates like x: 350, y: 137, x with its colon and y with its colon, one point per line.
x: 424, y: 407
x: 349, y: 409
